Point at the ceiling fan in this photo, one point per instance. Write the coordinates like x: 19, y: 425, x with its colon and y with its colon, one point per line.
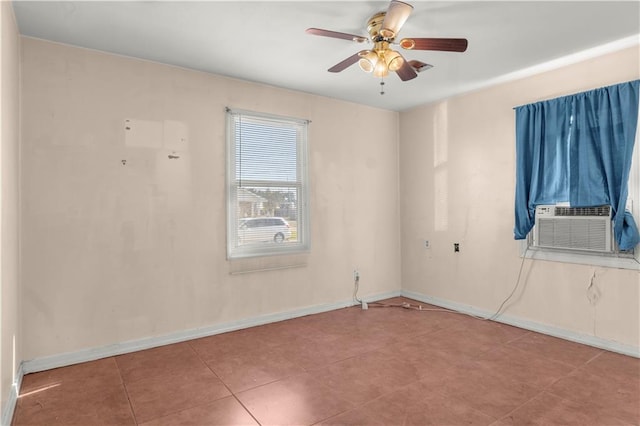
x: 383, y: 27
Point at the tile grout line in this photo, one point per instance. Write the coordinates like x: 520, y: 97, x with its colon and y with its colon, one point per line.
x: 541, y: 390
x: 224, y: 384
x: 341, y: 412
x: 503, y: 345
x: 576, y: 369
x: 126, y: 391
x: 602, y: 351
x: 546, y: 358
x: 546, y: 389
x: 243, y: 406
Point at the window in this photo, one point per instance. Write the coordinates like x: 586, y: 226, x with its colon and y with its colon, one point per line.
x: 575, y: 154
x: 267, y: 191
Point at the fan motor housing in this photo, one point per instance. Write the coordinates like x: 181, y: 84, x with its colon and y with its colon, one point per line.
x: 374, y: 25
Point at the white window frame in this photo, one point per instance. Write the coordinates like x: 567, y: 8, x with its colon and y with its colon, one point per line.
x: 302, y: 244
x: 612, y: 260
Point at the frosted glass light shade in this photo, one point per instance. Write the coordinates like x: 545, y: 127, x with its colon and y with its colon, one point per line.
x: 368, y: 60
x: 381, y: 69
x: 393, y: 59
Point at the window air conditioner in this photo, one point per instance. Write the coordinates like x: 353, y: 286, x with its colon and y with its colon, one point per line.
x: 574, y: 228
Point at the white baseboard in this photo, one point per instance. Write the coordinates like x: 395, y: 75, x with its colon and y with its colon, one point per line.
x: 70, y: 358
x: 529, y: 325
x: 12, y: 400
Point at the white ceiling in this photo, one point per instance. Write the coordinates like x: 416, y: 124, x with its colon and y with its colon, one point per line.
x: 265, y: 41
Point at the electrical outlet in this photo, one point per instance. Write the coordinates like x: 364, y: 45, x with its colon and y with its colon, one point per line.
x: 427, y: 244
x: 456, y: 247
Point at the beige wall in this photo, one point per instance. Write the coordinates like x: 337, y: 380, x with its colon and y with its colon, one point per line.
x: 457, y: 179
x: 10, y: 356
x: 115, y: 252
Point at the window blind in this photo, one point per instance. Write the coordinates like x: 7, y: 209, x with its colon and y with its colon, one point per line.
x: 267, y: 193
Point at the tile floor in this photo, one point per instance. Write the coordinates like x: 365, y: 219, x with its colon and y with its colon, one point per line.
x: 383, y: 366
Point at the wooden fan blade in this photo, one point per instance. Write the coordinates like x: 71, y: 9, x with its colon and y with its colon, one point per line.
x: 446, y: 44
x: 406, y: 71
x: 335, y: 34
x: 394, y: 19
x: 345, y: 64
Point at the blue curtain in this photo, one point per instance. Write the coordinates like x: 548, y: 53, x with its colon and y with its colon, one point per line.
x: 542, y: 159
x: 578, y: 148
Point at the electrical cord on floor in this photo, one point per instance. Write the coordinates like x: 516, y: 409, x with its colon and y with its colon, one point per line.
x: 493, y: 317
x: 419, y: 307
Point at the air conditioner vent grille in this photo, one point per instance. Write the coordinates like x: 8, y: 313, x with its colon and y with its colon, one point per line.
x: 583, y: 211
x: 588, y: 234
x: 573, y: 228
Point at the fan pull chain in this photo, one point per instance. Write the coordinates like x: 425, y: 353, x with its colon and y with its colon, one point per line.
x: 382, y: 86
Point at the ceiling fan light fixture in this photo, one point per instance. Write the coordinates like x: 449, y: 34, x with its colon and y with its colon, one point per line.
x: 383, y: 27
x: 368, y: 60
x: 395, y: 17
x: 393, y: 59
x: 381, y: 69
x: 388, y: 34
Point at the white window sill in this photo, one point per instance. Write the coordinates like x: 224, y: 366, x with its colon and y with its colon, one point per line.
x: 580, y: 258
